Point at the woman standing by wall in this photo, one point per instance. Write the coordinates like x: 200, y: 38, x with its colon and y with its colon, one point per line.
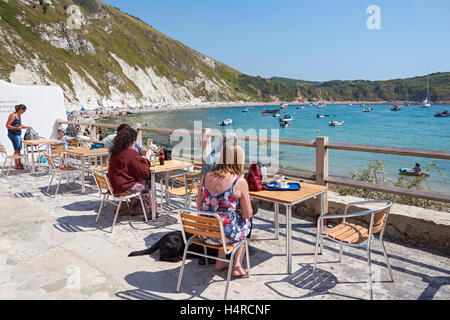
x: 15, y: 126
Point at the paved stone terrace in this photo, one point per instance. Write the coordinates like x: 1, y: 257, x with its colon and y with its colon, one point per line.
x: 51, y: 248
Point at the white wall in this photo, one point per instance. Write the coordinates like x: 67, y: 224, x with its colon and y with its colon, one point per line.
x: 44, y: 106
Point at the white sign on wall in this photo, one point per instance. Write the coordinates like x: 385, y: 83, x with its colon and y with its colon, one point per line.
x: 44, y: 106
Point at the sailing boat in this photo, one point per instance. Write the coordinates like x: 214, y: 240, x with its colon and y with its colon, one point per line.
x: 398, y: 106
x: 426, y: 103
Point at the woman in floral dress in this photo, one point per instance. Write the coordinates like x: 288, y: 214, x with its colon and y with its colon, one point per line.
x: 222, y: 191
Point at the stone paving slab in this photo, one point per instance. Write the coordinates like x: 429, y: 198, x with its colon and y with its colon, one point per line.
x: 51, y: 248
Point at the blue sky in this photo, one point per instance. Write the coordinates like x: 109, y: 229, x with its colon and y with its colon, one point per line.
x: 316, y: 40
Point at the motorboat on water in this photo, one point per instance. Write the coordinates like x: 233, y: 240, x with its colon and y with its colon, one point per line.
x: 321, y: 105
x: 322, y: 115
x: 276, y: 115
x: 225, y: 123
x: 284, y: 106
x: 368, y: 109
x: 287, y: 118
x: 245, y: 110
x: 301, y: 107
x: 336, y: 123
x: 270, y: 111
x: 442, y: 114
x: 410, y: 172
x: 284, y: 124
x: 397, y: 107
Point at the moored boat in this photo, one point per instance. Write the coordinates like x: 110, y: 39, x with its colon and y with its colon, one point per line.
x: 397, y: 107
x: 336, y: 123
x: 284, y: 124
x: 225, y: 123
x: 287, y: 118
x: 442, y: 114
x: 368, y: 109
x: 276, y: 115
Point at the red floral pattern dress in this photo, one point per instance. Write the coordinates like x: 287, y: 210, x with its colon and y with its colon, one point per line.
x: 226, y: 206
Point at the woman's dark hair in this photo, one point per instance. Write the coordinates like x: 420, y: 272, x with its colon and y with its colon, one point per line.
x: 123, y: 126
x: 21, y: 107
x: 123, y: 140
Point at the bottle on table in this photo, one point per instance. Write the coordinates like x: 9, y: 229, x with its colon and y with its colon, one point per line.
x: 264, y: 172
x: 161, y: 156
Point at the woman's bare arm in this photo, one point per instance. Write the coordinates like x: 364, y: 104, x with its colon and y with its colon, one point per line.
x: 10, y: 121
x: 246, y: 205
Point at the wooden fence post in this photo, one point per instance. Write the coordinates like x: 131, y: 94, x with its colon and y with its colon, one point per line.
x: 138, y: 127
x: 322, y: 169
x: 93, y: 131
x: 206, y: 143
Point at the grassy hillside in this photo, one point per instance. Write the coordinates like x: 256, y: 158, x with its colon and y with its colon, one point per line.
x: 411, y: 89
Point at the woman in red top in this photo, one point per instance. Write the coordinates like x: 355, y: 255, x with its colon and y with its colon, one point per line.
x: 129, y: 172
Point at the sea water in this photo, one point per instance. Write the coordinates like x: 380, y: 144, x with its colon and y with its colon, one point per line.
x: 411, y: 127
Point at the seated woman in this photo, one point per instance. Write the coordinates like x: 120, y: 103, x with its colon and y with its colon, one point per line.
x: 222, y: 191
x: 109, y: 140
x: 129, y: 172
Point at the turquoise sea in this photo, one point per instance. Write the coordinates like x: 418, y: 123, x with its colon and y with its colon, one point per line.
x: 412, y: 127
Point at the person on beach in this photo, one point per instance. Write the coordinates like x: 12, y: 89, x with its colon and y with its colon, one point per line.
x: 417, y: 169
x: 129, y: 173
x: 15, y: 126
x: 223, y: 191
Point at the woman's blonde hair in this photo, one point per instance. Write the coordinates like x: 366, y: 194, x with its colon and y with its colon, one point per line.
x: 232, y: 159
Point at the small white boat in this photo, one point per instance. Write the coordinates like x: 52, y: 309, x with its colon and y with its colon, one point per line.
x: 284, y: 106
x: 336, y: 123
x: 368, y: 109
x: 287, y: 118
x: 321, y: 105
x: 284, y: 124
x: 276, y: 115
x: 226, y: 122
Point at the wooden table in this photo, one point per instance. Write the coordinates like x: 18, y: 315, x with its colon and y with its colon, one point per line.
x: 289, y: 199
x: 84, y: 154
x: 168, y: 166
x: 37, y: 143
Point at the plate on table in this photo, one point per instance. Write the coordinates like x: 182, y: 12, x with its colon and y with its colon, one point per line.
x: 292, y: 186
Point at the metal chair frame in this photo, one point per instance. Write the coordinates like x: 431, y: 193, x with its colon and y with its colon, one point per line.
x: 106, y: 192
x: 371, y: 238
x: 53, y: 170
x: 205, y: 255
x: 4, y: 154
x: 187, y: 196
